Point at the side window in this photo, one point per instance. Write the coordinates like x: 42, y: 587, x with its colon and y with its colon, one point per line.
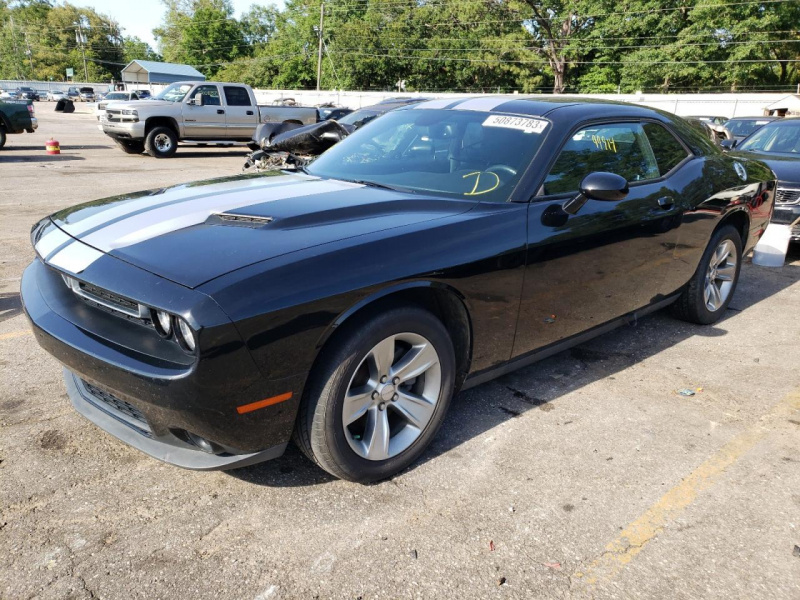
x: 620, y: 148
x: 210, y: 94
x: 236, y: 96
x: 668, y: 151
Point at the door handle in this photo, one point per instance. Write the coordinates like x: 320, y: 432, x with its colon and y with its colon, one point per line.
x: 249, y: 113
x: 666, y: 202
x: 220, y: 111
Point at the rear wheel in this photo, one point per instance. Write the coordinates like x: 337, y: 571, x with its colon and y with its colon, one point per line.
x: 711, y: 289
x: 3, y: 136
x: 378, y: 395
x: 130, y: 146
x: 161, y: 142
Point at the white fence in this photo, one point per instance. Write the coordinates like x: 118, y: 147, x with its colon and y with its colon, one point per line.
x: 723, y: 105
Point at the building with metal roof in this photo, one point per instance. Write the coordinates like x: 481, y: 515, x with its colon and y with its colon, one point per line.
x: 148, y: 71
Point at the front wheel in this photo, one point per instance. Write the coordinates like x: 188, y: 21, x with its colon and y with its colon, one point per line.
x: 3, y: 136
x: 378, y: 395
x: 161, y: 142
x: 711, y: 289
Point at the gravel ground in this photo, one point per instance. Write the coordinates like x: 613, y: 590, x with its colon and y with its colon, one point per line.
x: 584, y: 476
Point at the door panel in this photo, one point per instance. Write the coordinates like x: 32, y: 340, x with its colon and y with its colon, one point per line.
x: 207, y: 121
x: 610, y: 258
x: 241, y: 114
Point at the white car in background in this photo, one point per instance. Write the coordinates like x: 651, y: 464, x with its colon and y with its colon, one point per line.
x: 113, y: 97
x: 56, y: 95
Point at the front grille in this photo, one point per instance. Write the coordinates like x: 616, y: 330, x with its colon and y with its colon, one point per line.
x: 787, y: 196
x: 121, y: 410
x: 109, y: 301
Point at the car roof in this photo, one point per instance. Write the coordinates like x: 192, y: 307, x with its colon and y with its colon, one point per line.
x: 554, y: 107
x: 753, y: 118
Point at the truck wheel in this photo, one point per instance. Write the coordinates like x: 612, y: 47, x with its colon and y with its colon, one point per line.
x: 131, y: 147
x: 161, y: 142
x: 2, y: 136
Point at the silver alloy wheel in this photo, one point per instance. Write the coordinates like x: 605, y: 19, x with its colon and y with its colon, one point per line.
x: 163, y: 142
x: 719, y: 276
x: 392, y: 396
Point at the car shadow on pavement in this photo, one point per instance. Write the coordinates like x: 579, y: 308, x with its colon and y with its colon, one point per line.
x: 39, y: 158
x: 536, y: 387
x: 10, y: 306
x: 29, y: 148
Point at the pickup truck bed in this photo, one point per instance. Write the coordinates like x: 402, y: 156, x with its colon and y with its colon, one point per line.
x: 16, y: 116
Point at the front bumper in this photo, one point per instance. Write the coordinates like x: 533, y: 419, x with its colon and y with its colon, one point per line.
x: 123, y: 130
x: 168, y: 449
x: 172, y: 396
x: 788, y: 214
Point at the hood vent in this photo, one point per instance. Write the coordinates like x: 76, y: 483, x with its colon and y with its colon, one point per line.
x: 242, y: 220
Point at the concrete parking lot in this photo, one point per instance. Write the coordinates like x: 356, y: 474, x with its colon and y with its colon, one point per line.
x: 587, y: 475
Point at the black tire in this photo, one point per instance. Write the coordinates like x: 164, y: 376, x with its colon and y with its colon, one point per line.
x: 691, y: 305
x: 319, y: 432
x: 131, y: 146
x: 151, y: 142
x: 3, y: 136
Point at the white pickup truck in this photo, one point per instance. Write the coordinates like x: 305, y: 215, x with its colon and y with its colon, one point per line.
x: 196, y: 111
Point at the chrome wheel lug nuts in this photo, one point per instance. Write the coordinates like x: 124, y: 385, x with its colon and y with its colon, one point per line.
x: 375, y: 395
x: 396, y: 380
x: 395, y: 397
x: 384, y: 379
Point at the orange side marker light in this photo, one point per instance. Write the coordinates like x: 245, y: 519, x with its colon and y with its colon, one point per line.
x: 246, y: 408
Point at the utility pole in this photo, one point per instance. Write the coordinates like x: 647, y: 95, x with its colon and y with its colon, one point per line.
x: 82, y: 40
x: 28, y: 52
x: 319, y: 54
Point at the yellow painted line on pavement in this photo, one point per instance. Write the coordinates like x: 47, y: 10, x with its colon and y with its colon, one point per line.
x: 15, y: 334
x: 633, y: 539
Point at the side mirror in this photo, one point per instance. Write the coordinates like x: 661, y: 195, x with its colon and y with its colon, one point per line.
x: 728, y: 144
x: 607, y: 187
x: 198, y: 100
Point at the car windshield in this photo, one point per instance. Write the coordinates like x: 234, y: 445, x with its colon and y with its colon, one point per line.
x: 175, y: 93
x: 782, y: 137
x: 456, y: 153
x: 117, y: 96
x: 744, y: 127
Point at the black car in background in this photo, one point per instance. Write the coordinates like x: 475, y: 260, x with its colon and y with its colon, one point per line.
x: 777, y: 144
x: 26, y: 93
x: 740, y: 127
x: 343, y: 305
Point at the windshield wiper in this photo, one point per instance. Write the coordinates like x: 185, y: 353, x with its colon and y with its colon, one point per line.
x: 382, y: 186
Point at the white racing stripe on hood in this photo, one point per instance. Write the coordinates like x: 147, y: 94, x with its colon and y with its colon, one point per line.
x: 50, y: 241
x: 159, y: 221
x: 75, y: 257
x: 128, y: 207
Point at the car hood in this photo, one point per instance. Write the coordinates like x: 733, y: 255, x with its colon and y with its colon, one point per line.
x: 195, y: 232
x: 786, y: 167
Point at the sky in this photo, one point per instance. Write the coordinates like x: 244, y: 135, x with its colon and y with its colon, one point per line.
x: 140, y: 17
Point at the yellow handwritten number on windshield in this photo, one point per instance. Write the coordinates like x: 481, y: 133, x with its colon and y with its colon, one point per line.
x: 477, y: 175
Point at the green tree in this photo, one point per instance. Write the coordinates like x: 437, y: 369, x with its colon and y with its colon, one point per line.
x: 202, y: 33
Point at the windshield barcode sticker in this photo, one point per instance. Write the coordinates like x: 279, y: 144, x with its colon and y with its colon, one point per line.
x: 521, y: 123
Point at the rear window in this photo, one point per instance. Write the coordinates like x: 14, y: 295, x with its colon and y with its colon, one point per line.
x: 237, y: 96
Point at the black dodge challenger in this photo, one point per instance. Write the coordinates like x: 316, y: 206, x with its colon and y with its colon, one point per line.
x: 343, y: 306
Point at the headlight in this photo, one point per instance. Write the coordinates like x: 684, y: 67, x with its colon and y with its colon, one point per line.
x: 185, y: 335
x: 131, y: 113
x: 162, y: 322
